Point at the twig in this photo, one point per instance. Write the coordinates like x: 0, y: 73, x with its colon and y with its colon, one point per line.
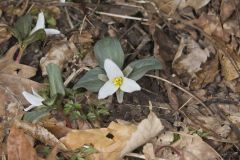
x: 121, y: 16
x: 185, y: 103
x: 182, y: 89
x: 68, y: 18
x: 73, y: 75
x: 135, y: 155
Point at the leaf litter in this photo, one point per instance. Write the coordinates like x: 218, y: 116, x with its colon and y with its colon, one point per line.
x: 193, y: 116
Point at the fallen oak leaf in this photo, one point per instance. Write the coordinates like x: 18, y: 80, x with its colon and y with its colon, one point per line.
x: 9, y: 66
x: 125, y: 137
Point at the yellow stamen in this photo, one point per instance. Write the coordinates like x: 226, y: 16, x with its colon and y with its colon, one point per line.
x: 117, y: 81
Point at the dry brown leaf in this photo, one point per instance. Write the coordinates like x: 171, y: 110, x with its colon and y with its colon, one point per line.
x: 194, y: 147
x: 206, y: 75
x: 191, y: 62
x: 19, y: 147
x: 53, y: 154
x: 232, y: 111
x: 84, y: 37
x: 126, y: 137
x: 11, y: 99
x: 15, y: 85
x: 40, y: 133
x: 227, y: 9
x: 60, y: 53
x: 191, y: 147
x: 146, y: 130
x: 9, y: 66
x: 227, y: 68
x: 4, y: 33
x: 211, y: 24
x: 169, y: 6
x: 232, y: 27
x: 149, y: 152
x: 57, y: 130
x: 221, y: 128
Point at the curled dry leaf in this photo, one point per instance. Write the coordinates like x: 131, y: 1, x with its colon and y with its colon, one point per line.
x: 190, y: 147
x: 191, y: 62
x: 60, y: 53
x: 19, y: 147
x: 4, y: 33
x: 40, y: 133
x: 146, y: 130
x: 125, y: 137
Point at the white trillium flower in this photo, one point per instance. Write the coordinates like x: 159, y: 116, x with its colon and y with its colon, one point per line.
x: 34, y: 99
x: 41, y: 25
x: 116, y: 81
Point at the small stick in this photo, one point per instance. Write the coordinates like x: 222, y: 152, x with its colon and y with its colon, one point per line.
x: 182, y: 89
x: 121, y: 16
x: 185, y: 103
x: 135, y: 155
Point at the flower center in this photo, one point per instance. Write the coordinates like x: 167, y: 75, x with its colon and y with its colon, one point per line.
x: 117, y: 81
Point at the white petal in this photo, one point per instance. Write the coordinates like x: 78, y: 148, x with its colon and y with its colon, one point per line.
x: 129, y: 85
x: 32, y: 99
x: 62, y: 1
x: 40, y: 23
x: 112, y: 69
x: 106, y: 90
x: 51, y: 31
x: 36, y: 94
x: 29, y: 108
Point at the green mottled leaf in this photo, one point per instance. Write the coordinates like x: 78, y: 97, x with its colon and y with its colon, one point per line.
x: 36, y: 114
x: 55, y: 80
x: 109, y: 48
x: 23, y: 26
x: 16, y: 34
x: 38, y: 35
x: 90, y: 80
x: 140, y: 67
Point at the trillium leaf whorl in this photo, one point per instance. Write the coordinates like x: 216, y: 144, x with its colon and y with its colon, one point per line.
x: 109, y: 48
